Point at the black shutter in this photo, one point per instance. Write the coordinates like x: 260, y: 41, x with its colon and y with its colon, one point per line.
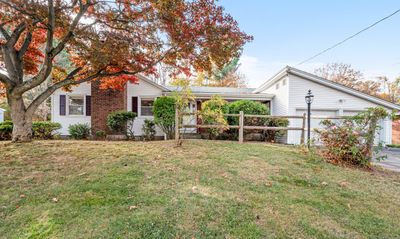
x: 62, y: 104
x: 135, y: 105
x: 88, y: 105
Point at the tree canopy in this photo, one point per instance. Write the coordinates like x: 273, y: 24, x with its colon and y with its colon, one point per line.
x: 111, y: 41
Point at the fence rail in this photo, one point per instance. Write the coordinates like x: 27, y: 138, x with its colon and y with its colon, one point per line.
x: 241, y: 127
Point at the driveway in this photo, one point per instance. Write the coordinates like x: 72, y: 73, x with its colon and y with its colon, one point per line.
x: 393, y: 159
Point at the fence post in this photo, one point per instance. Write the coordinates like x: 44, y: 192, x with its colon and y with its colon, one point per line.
x: 176, y: 125
x: 303, y: 132
x: 241, y: 124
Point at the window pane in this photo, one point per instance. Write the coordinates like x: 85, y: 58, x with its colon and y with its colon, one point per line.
x: 76, y: 104
x: 146, y: 107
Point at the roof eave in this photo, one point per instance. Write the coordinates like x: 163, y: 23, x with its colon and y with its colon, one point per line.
x: 282, y: 73
x: 308, y: 76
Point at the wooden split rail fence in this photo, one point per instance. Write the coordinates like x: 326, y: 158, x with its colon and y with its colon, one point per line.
x: 241, y: 127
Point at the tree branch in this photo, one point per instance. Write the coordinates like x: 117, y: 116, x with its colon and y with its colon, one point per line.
x: 25, y: 45
x: 50, y: 90
x: 50, y: 51
x: 19, y: 29
x: 72, y: 27
x: 4, y: 32
x: 69, y: 80
x: 5, y: 79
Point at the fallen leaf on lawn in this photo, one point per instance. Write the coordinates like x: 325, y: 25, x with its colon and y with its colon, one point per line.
x: 348, y: 205
x: 22, y: 196
x: 268, y: 184
x: 132, y: 207
x: 343, y: 184
x: 54, y: 200
x: 194, y: 189
x: 324, y: 184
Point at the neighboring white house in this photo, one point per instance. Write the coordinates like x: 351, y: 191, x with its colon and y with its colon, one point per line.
x: 2, y: 114
x: 284, y: 94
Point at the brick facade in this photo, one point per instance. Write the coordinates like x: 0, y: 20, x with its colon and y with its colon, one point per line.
x: 396, y: 131
x: 103, y: 103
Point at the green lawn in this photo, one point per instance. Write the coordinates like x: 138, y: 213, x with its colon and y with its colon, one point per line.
x: 205, y: 189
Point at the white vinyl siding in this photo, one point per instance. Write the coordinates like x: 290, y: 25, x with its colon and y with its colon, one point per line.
x: 66, y: 120
x: 279, y: 104
x: 144, y: 91
x: 327, y: 102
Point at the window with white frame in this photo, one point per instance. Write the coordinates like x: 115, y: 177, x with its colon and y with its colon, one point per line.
x: 284, y: 82
x: 146, y: 107
x: 76, y: 105
x: 277, y: 86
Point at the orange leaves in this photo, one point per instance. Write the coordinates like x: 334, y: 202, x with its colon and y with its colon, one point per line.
x: 2, y: 90
x: 34, y: 55
x: 58, y: 74
x: 117, y: 82
x: 129, y: 36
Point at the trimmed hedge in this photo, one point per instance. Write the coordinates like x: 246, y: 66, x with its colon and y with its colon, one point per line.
x: 248, y: 107
x: 164, y: 115
x: 117, y: 121
x: 40, y: 129
x: 45, y: 129
x: 79, y: 131
x: 6, y: 128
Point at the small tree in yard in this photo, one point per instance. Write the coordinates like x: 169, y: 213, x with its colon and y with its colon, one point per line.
x: 212, y: 113
x: 183, y: 97
x: 109, y: 41
x: 351, y: 141
x: 164, y: 115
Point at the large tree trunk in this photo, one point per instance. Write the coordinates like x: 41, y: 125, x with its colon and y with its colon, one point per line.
x: 22, y: 121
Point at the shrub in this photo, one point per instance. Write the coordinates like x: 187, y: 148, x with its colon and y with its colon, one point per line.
x: 40, y: 129
x: 248, y: 107
x: 100, y: 134
x: 351, y: 140
x: 149, y: 130
x: 79, y: 131
x: 164, y: 115
x: 6, y: 128
x: 212, y: 113
x: 118, y: 121
x: 271, y: 135
x: 45, y: 129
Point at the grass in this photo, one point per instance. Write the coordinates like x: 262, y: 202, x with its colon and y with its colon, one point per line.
x: 205, y: 189
x: 393, y: 145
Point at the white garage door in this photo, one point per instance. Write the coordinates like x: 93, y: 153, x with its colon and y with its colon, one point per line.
x: 315, y: 123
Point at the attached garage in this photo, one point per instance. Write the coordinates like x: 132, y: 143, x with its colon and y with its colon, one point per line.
x: 330, y: 99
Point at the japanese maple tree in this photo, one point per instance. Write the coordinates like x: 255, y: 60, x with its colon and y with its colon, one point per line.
x: 110, y: 41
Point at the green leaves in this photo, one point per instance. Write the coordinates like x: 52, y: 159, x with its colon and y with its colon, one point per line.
x: 117, y: 121
x: 164, y: 114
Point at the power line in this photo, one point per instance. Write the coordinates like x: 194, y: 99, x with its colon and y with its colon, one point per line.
x: 350, y: 37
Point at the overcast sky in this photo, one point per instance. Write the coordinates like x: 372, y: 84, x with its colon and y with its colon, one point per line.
x: 287, y: 32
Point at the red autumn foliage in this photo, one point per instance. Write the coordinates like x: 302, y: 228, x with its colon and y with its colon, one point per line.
x: 111, y: 41
x: 129, y: 36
